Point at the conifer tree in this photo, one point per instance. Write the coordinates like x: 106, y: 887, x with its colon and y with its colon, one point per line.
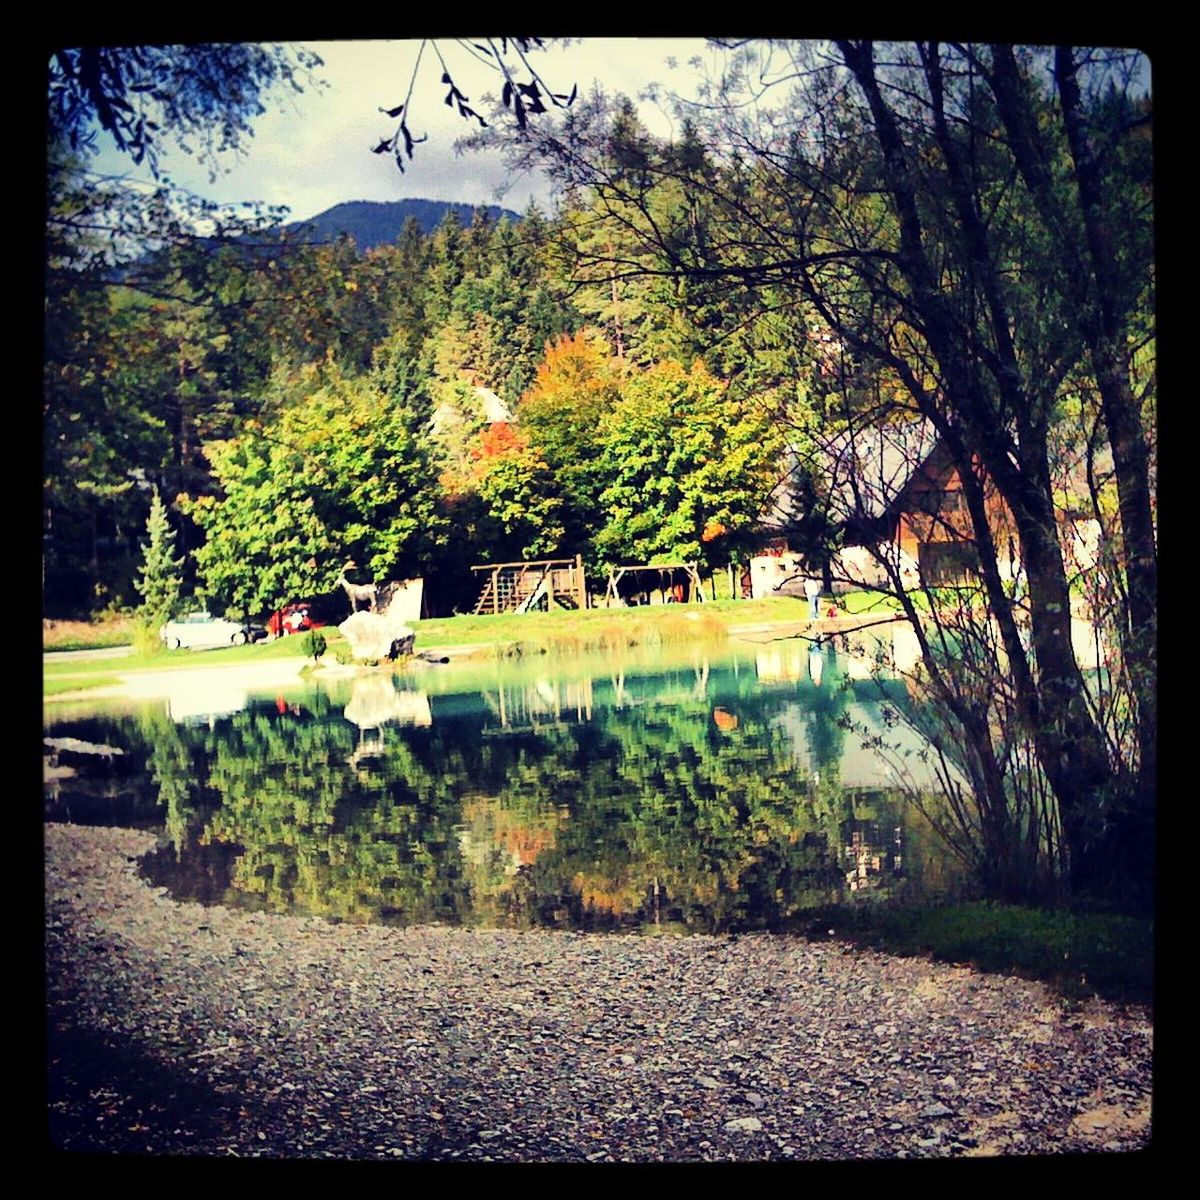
x: 161, y: 582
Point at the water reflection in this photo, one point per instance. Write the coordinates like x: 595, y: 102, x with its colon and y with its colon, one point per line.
x: 709, y: 791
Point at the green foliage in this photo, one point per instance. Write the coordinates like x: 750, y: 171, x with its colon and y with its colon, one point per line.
x: 313, y: 644
x: 578, y: 381
x: 688, y: 470
x: 160, y: 581
x: 520, y: 500
x: 57, y: 687
x: 344, y: 472
x: 1079, y: 953
x: 201, y: 96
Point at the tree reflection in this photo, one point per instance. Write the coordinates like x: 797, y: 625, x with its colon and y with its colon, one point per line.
x: 676, y: 798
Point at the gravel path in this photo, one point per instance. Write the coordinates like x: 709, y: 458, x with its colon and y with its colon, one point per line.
x: 177, y: 1029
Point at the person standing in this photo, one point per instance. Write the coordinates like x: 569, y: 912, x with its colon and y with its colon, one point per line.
x: 812, y: 589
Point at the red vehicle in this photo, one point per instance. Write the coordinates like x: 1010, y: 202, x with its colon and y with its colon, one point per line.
x: 292, y: 618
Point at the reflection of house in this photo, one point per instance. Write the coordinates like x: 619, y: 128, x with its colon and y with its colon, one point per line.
x: 878, y: 752
x: 870, y: 855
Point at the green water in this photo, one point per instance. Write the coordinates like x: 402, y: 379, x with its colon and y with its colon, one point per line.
x: 697, y: 789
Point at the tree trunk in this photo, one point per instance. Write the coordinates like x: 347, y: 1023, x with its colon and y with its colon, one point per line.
x: 1108, y: 333
x: 1069, y: 745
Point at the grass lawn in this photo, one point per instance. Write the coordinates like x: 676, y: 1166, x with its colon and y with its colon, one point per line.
x: 870, y: 603
x: 569, y: 629
x: 172, y: 660
x: 55, y: 687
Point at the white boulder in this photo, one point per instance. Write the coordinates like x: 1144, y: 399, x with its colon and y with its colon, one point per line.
x: 373, y: 635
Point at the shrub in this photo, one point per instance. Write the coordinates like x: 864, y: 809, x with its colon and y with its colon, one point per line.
x: 313, y: 644
x: 146, y: 640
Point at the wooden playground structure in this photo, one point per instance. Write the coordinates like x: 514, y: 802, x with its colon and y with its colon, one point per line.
x: 679, y: 588
x: 521, y: 586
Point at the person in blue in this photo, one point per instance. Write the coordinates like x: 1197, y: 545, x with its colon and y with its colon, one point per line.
x: 812, y: 589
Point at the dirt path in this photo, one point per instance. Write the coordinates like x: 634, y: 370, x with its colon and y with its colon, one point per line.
x: 177, y: 1029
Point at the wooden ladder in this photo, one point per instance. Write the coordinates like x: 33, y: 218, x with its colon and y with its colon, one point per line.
x: 485, y: 598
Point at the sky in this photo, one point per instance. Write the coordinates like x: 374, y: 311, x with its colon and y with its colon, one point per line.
x: 312, y: 150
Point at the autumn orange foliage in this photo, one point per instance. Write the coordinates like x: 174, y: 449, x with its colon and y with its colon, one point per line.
x: 497, y: 440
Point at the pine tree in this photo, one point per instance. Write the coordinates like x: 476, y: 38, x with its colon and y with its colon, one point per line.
x: 161, y: 582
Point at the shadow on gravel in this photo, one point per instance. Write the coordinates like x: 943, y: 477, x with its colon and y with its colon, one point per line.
x: 109, y: 1099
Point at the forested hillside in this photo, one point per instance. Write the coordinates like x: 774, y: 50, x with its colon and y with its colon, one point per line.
x: 374, y: 223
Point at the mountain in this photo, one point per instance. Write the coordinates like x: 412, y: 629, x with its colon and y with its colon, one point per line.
x: 371, y: 223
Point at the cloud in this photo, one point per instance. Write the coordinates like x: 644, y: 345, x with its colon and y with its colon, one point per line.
x: 313, y: 150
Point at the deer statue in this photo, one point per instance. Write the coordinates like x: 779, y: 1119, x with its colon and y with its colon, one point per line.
x: 357, y: 592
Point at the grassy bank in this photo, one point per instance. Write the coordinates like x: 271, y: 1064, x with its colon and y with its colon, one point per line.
x: 89, y: 673
x: 564, y: 630
x: 56, y: 687
x: 99, y: 634
x: 1076, y: 953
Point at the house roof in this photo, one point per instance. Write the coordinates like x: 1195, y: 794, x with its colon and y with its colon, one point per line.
x: 494, y: 409
x: 862, y: 470
x: 866, y: 469
x: 489, y: 406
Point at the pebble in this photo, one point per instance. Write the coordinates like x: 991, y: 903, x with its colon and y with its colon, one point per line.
x: 744, y: 1124
x: 936, y: 1110
x: 375, y: 1042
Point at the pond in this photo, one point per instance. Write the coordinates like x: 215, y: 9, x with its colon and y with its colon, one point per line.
x: 699, y: 788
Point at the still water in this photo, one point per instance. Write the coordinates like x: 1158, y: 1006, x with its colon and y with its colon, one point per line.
x: 696, y: 788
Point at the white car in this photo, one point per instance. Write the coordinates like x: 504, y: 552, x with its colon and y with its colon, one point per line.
x: 201, y: 630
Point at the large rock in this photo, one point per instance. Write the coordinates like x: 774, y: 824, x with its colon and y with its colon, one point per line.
x: 373, y: 635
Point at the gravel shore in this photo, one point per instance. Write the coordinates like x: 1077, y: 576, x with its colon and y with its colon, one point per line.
x: 181, y: 1030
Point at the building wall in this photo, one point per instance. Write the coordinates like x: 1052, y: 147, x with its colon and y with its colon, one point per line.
x: 935, y: 528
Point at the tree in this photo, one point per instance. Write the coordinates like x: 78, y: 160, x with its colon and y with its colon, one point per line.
x: 203, y: 97
x: 577, y: 383
x: 160, y: 580
x: 998, y: 361
x: 523, y: 91
x: 519, y: 495
x: 344, y: 472
x: 688, y: 470
x: 121, y: 402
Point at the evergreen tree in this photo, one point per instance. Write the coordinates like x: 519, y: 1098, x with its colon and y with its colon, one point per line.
x: 161, y: 581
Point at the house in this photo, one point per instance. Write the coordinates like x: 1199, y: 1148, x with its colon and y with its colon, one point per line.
x: 475, y: 406
x: 894, y: 493
x: 931, y: 524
